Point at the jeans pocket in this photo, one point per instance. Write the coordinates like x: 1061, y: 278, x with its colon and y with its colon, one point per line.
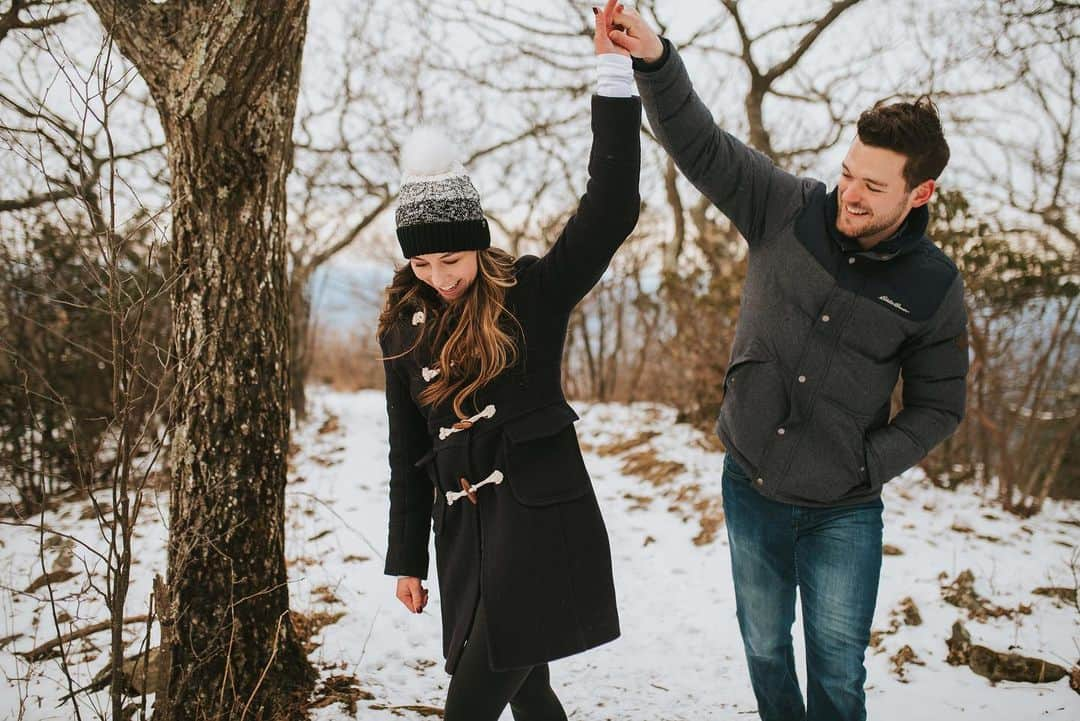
x: 733, y: 470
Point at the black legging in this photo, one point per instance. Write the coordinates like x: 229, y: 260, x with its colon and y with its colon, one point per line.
x: 479, y: 694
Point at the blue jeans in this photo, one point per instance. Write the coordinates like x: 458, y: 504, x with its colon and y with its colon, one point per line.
x: 833, y: 556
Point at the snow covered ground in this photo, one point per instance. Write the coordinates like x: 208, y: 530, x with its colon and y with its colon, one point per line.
x: 680, y: 657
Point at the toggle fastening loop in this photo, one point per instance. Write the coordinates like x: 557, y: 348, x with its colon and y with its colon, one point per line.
x: 466, y: 424
x: 468, y: 491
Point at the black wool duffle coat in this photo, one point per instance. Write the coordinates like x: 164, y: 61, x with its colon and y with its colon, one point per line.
x: 533, y: 548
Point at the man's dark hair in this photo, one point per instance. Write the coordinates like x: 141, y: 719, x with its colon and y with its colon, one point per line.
x: 911, y: 129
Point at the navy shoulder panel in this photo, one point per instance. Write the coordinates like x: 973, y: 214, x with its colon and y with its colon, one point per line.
x: 914, y: 284
x: 935, y: 255
x: 811, y: 227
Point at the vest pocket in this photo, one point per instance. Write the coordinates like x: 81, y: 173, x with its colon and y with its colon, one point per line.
x: 542, y: 457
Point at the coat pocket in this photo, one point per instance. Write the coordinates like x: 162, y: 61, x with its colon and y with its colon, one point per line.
x: 755, y: 401
x: 830, y: 463
x: 542, y: 457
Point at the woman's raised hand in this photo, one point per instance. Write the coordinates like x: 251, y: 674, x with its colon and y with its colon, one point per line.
x: 636, y: 37
x: 604, y: 26
x: 412, y: 593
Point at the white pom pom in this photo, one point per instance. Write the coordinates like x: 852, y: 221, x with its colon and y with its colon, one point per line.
x: 428, y: 152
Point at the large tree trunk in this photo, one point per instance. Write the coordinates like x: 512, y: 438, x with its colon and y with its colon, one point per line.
x: 224, y: 76
x: 299, y: 340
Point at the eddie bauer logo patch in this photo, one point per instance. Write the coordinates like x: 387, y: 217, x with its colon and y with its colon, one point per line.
x: 894, y: 304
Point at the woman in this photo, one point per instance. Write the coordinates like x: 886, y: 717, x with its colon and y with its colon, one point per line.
x: 473, y: 341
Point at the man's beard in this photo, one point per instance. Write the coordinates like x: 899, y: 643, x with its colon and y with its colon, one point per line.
x: 873, y: 226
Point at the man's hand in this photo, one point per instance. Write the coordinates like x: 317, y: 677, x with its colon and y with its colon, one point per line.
x: 604, y: 26
x: 412, y: 593
x: 636, y: 37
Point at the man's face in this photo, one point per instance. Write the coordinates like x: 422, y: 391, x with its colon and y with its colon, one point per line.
x: 873, y: 196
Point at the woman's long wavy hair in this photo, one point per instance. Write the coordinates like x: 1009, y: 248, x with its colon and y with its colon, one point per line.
x: 473, y: 336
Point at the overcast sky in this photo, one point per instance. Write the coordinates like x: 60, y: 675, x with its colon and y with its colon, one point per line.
x: 884, y: 42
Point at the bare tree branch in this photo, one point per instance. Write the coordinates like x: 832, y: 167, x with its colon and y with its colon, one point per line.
x: 22, y: 15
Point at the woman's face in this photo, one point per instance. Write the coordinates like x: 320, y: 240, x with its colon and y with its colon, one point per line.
x: 450, y: 274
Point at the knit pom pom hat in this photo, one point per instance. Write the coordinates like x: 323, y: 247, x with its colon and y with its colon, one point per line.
x: 438, y: 207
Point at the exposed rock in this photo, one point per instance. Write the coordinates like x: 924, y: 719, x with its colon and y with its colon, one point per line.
x: 48, y: 579
x: 998, y: 666
x: 1068, y: 595
x: 142, y: 673
x: 959, y: 645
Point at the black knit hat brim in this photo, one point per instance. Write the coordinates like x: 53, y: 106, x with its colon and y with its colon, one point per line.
x: 446, y: 237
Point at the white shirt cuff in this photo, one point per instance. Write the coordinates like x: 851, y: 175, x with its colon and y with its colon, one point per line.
x: 615, y: 76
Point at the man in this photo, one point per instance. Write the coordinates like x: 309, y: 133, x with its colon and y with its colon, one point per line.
x: 843, y: 293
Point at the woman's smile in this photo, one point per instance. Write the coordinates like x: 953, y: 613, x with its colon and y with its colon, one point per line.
x: 451, y: 290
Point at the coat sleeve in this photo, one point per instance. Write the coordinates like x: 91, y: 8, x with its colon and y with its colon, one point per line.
x: 411, y: 494
x: 743, y: 183
x: 605, y: 215
x: 934, y: 367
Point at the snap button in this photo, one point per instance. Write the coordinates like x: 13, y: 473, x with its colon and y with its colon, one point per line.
x: 851, y: 261
x: 825, y: 319
x: 802, y: 379
x: 760, y: 481
x: 780, y: 431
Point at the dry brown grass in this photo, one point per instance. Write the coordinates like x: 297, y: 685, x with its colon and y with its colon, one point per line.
x: 627, y: 444
x: 308, y: 625
x: 961, y: 593
x: 346, y: 360
x: 325, y: 594
x: 341, y: 689
x: 650, y: 467
x: 900, y: 660
x: 711, y: 518
x: 331, y: 425
x: 905, y: 614
x: 688, y: 501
